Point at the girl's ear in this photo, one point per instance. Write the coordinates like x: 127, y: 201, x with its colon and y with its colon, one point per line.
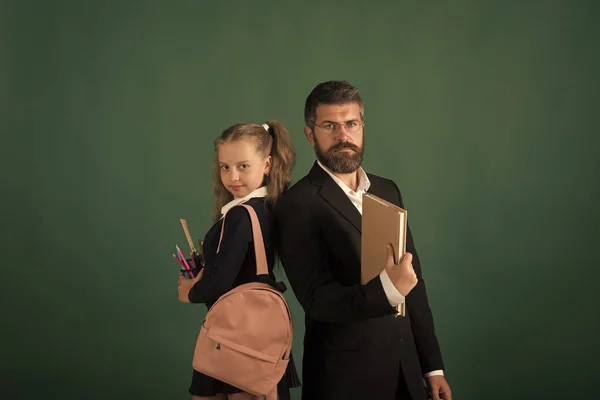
x: 268, y: 165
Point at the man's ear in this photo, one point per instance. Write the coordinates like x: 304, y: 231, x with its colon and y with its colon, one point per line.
x: 309, y: 135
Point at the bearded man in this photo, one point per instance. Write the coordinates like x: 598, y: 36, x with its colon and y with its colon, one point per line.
x: 356, y: 346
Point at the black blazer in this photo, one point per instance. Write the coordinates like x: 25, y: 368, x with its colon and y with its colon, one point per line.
x: 232, y: 266
x: 354, y: 345
x: 235, y: 264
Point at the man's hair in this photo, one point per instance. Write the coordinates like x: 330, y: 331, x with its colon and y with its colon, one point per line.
x: 331, y: 92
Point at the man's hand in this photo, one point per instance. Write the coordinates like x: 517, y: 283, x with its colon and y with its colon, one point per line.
x: 402, y: 275
x: 184, y: 285
x: 439, y: 388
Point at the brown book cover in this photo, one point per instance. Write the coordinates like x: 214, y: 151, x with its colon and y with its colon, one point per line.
x: 382, y: 223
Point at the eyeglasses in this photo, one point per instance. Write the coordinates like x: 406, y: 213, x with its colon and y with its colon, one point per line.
x: 334, y: 127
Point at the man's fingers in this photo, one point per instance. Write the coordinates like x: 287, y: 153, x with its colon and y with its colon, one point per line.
x: 446, y: 393
x: 407, y: 258
x: 390, y: 255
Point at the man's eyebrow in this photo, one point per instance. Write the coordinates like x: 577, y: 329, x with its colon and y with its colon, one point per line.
x: 326, y: 121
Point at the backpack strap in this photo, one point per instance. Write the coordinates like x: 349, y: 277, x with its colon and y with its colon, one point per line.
x: 259, y: 244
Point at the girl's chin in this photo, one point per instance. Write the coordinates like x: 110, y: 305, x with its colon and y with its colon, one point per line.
x: 238, y: 194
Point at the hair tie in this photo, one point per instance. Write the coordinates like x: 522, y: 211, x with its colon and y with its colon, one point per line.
x: 266, y: 127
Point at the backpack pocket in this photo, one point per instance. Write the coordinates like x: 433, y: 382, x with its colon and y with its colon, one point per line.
x: 221, y: 342
x: 236, y: 364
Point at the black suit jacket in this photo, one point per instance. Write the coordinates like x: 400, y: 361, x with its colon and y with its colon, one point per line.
x: 232, y: 266
x: 354, y: 345
x: 235, y: 263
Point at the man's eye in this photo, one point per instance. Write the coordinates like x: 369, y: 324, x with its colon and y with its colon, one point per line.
x: 328, y: 126
x: 351, y: 124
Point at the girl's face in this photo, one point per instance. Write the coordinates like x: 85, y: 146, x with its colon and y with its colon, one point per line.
x: 242, y: 167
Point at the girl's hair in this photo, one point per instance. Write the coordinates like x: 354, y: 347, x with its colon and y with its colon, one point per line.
x: 275, y: 142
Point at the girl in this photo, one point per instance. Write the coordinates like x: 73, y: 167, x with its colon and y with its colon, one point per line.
x: 253, y: 165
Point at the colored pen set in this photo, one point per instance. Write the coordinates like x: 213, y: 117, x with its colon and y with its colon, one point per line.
x: 190, y: 267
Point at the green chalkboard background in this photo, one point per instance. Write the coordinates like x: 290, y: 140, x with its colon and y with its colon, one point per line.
x: 484, y: 112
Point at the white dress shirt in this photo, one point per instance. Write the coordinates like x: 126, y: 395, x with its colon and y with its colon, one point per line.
x: 260, y: 192
x: 393, y: 295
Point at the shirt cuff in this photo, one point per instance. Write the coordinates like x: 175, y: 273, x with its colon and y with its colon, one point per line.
x: 433, y: 373
x: 393, y: 295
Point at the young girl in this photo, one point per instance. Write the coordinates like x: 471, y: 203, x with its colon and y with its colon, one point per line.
x: 253, y: 165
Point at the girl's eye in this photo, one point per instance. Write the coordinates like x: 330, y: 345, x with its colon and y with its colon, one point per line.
x: 224, y: 167
x: 243, y: 166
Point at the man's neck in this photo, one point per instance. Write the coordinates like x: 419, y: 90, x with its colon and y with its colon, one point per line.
x: 350, y: 180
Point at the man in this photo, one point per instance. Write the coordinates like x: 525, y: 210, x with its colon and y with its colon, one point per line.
x: 355, y: 345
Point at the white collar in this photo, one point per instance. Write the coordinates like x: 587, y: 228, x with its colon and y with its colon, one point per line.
x: 363, y: 180
x: 260, y: 192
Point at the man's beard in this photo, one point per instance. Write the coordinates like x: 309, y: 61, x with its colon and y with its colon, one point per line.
x: 339, y: 161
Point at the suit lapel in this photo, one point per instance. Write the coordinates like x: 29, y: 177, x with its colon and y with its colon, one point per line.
x: 335, y: 196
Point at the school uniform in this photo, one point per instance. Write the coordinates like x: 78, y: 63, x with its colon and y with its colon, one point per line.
x: 232, y: 266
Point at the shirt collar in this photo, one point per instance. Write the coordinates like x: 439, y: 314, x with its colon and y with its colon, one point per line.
x: 363, y: 180
x: 260, y: 192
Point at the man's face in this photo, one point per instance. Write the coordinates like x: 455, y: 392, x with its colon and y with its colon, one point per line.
x: 338, y: 137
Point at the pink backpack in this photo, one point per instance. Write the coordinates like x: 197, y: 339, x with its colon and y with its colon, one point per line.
x: 246, y: 337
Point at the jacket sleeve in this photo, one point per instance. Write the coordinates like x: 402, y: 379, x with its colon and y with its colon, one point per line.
x: 218, y: 278
x: 305, y: 261
x: 421, y: 317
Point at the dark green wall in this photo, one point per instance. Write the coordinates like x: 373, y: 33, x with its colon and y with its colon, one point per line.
x: 485, y: 113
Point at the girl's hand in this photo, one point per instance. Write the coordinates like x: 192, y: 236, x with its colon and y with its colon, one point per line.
x: 184, y: 285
